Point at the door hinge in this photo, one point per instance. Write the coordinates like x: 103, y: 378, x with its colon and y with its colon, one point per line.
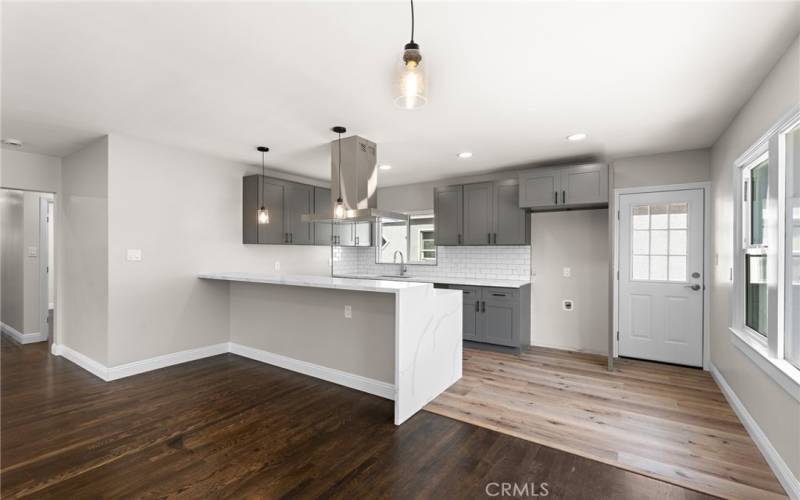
x: 617, y: 334
x: 617, y: 275
x: 617, y: 214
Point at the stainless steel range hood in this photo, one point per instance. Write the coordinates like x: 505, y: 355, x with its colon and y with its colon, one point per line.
x: 358, y: 187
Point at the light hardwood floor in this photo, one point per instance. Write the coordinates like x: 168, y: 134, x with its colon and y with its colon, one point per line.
x: 667, y: 422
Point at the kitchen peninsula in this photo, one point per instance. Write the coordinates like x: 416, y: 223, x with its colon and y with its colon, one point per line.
x: 398, y: 340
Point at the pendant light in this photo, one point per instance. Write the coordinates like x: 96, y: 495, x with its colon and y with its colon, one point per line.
x: 338, y: 210
x: 263, y: 213
x: 412, y: 77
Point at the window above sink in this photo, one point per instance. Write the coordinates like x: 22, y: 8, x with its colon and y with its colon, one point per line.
x: 414, y: 239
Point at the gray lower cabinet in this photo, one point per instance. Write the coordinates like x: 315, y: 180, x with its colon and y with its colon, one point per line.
x: 555, y: 188
x: 500, y: 316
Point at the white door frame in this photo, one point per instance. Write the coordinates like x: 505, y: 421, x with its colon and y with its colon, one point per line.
x: 706, y: 188
x: 44, y: 262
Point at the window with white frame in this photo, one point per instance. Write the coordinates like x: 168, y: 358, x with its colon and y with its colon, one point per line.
x: 767, y: 264
x: 755, y: 187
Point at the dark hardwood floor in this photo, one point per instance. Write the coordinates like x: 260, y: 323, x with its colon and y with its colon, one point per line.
x: 231, y: 427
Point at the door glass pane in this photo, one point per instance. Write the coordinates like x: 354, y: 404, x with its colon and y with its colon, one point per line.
x: 640, y: 267
x: 678, y: 215
x: 758, y: 203
x: 677, y: 268
x: 756, y: 293
x: 641, y: 242
x: 640, y: 217
x: 677, y: 242
x: 658, y: 242
x: 658, y: 268
x: 658, y: 216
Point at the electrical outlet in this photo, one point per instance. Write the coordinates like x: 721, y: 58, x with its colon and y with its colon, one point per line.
x: 567, y: 305
x: 134, y: 255
x: 277, y: 265
x: 567, y: 272
x: 348, y: 312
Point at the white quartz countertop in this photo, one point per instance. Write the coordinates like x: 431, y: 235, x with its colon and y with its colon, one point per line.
x: 444, y: 280
x: 362, y: 285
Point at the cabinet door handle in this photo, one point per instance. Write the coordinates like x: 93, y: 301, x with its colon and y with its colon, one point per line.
x: 489, y: 238
x: 563, y: 196
x: 483, y: 306
x: 356, y: 240
x: 459, y: 238
x: 555, y: 197
x: 291, y: 237
x: 495, y: 238
x: 499, y: 294
x: 477, y: 306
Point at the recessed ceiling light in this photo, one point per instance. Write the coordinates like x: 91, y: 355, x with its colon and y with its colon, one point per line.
x: 465, y: 154
x: 576, y: 137
x: 385, y: 167
x: 12, y: 142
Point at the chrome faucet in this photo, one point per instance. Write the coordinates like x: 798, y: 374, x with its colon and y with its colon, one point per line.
x: 403, y: 268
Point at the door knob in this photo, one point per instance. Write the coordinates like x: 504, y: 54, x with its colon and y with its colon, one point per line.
x: 693, y: 287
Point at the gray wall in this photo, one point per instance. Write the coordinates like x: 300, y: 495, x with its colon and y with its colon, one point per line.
x: 29, y: 171
x: 574, y: 239
x: 681, y: 167
x: 776, y: 412
x: 184, y: 211
x: 82, y: 252
x: 265, y: 316
x: 12, y: 279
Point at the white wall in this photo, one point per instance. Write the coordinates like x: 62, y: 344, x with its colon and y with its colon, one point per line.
x: 680, y: 167
x: 29, y: 171
x: 775, y: 411
x: 574, y: 239
x: 184, y: 211
x: 82, y: 252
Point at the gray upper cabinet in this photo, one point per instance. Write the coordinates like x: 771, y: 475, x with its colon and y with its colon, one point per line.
x: 478, y: 217
x: 323, y: 234
x: 484, y: 213
x: 448, y: 208
x: 554, y: 188
x: 539, y: 188
x: 256, y: 191
x: 299, y: 201
x: 511, y: 225
x: 584, y: 185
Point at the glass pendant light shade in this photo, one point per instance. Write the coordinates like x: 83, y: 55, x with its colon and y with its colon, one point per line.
x: 263, y: 216
x: 338, y: 211
x: 411, y: 85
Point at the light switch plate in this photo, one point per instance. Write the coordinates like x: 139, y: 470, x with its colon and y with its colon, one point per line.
x: 567, y: 272
x: 348, y: 312
x: 134, y: 255
x: 33, y: 251
x: 277, y: 265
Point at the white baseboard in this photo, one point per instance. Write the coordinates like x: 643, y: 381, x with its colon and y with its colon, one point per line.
x: 22, y: 338
x: 364, y: 384
x: 95, y: 368
x: 779, y: 467
x: 175, y: 358
x: 569, y: 348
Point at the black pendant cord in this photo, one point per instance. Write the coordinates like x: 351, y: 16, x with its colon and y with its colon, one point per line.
x: 262, y: 180
x: 340, y: 200
x: 412, y: 21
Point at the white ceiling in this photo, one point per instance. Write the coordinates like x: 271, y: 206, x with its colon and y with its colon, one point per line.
x: 507, y: 81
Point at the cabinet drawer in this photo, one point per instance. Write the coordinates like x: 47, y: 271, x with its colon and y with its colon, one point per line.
x: 470, y: 294
x: 500, y: 294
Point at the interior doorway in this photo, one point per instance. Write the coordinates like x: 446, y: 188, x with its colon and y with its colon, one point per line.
x: 27, y: 277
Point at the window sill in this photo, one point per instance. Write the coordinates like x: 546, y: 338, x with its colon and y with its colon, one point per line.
x: 779, y: 370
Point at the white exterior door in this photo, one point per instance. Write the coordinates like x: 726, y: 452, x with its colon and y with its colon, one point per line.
x: 661, y: 276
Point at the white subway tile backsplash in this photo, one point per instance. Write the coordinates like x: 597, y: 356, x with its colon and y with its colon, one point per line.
x: 491, y: 262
